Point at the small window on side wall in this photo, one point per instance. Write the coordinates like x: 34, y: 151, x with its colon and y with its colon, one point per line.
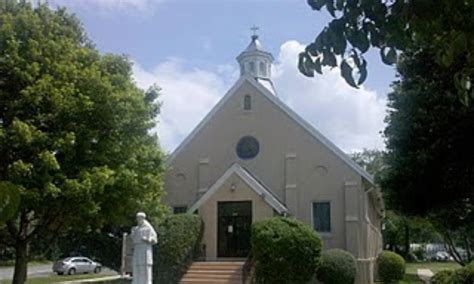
x: 180, y: 209
x: 322, y: 217
x: 247, y: 102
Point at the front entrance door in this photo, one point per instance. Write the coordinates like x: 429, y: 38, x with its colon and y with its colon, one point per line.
x: 233, y: 228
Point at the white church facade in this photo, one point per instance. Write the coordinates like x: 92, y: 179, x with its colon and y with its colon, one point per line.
x: 252, y: 157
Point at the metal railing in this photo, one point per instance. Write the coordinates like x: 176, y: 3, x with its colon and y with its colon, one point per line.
x: 247, y: 268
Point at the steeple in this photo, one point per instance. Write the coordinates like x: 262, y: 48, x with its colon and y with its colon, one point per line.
x: 254, y: 60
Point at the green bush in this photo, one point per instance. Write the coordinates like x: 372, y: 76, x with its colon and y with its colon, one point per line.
x: 179, y: 239
x: 284, y: 251
x: 442, y: 277
x: 464, y: 275
x: 337, y: 267
x: 391, y: 267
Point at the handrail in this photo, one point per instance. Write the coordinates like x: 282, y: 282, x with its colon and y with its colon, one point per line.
x: 247, y: 268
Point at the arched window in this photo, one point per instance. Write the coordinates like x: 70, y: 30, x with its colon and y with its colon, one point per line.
x: 263, y: 70
x: 247, y: 102
x: 252, y: 67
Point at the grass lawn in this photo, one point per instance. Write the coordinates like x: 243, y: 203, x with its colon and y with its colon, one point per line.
x: 56, y: 278
x: 412, y: 268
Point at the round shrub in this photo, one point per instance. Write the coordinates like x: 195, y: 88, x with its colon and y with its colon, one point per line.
x: 337, y: 267
x: 442, y: 277
x: 179, y: 238
x: 284, y: 251
x: 391, y: 267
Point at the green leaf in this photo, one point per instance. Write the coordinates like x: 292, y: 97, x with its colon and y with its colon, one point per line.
x: 305, y: 64
x: 317, y: 66
x: 329, y: 59
x: 340, y: 4
x: 346, y: 73
x: 312, y: 49
x: 362, y: 71
x: 9, y: 201
x: 389, y: 57
x: 359, y: 39
x: 330, y: 7
x: 320, y: 41
x: 336, y: 36
x: 316, y: 4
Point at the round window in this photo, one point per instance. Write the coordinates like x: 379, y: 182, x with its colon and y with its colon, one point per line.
x: 248, y: 147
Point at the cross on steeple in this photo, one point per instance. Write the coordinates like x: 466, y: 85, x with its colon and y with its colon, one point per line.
x: 254, y: 29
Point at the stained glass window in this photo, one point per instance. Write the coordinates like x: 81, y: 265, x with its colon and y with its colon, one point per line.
x: 248, y: 147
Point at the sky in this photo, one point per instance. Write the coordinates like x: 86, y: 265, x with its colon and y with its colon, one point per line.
x: 188, y: 48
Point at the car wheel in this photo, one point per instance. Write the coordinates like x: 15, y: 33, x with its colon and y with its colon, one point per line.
x: 97, y: 270
x: 60, y: 273
x: 71, y: 271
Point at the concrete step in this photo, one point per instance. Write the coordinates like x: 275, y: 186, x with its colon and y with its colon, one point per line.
x: 215, y: 272
x: 213, y: 276
x: 206, y: 281
x: 224, y: 272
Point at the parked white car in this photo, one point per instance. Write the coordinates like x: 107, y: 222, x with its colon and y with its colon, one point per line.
x: 442, y: 256
x: 73, y: 265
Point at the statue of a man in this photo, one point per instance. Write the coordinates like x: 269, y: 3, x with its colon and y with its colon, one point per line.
x: 144, y: 236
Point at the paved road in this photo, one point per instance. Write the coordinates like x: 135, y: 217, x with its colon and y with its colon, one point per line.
x: 33, y: 270
x: 40, y: 270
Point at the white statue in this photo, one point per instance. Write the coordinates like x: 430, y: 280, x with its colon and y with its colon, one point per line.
x: 144, y: 236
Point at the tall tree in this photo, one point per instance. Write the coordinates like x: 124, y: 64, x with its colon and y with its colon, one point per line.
x: 391, y: 26
x: 399, y: 230
x: 75, y: 134
x: 430, y: 133
x: 371, y: 160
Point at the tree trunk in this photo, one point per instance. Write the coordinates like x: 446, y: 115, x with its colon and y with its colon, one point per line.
x: 407, y: 239
x: 21, y: 263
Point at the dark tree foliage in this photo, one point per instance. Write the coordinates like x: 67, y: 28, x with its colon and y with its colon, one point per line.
x: 370, y: 160
x: 430, y: 138
x: 399, y: 230
x: 444, y: 26
x: 179, y: 244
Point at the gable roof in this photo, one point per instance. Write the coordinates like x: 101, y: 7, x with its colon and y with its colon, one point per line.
x: 288, y: 111
x: 261, y: 190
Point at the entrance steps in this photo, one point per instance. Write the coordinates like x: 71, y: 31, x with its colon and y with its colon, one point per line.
x: 207, y: 272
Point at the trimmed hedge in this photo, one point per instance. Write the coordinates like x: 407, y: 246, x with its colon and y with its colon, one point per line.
x: 464, y: 275
x: 284, y: 251
x: 179, y: 239
x: 442, y: 277
x: 391, y: 267
x: 337, y: 267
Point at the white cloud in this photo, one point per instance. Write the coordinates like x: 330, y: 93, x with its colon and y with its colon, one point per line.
x: 187, y: 96
x: 138, y: 5
x: 351, y: 118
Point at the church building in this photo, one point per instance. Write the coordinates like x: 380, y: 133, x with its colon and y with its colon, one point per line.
x: 252, y: 157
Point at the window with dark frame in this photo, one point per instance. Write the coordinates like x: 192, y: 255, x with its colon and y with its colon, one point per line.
x: 247, y: 102
x: 322, y: 217
x: 180, y: 209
